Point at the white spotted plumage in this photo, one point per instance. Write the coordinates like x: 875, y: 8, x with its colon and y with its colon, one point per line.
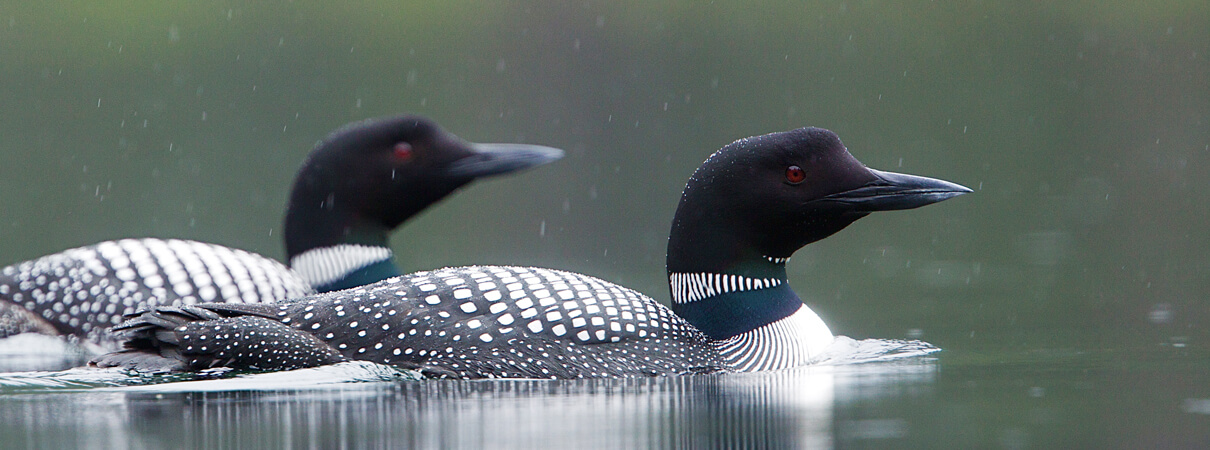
x: 585, y: 327
x: 557, y: 324
x: 90, y: 288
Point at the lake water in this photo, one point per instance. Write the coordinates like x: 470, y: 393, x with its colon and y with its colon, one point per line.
x: 1069, y: 291
x: 1153, y: 397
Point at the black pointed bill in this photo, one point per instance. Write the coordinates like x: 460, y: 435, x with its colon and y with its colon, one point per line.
x: 891, y: 191
x: 495, y: 159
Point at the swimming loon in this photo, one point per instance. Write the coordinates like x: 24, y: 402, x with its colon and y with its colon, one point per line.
x: 357, y: 185
x: 743, y: 213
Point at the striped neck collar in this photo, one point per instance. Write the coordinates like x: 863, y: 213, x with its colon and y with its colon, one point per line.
x: 345, y: 265
x: 733, y: 299
x: 691, y: 287
x: 792, y: 341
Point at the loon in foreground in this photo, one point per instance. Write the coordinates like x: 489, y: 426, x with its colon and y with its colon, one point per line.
x: 357, y: 185
x: 744, y: 212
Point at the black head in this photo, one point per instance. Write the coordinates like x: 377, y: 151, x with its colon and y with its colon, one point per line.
x: 767, y: 196
x: 369, y: 177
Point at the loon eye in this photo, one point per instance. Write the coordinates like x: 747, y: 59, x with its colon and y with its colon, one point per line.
x: 795, y: 175
x: 403, y: 151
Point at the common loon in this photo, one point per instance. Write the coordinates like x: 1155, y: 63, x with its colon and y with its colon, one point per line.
x: 743, y: 213
x: 357, y: 185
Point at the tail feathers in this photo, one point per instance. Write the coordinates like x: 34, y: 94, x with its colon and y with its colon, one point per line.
x: 199, y: 337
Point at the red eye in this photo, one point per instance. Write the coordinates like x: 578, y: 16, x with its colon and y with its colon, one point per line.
x: 795, y: 174
x: 403, y: 151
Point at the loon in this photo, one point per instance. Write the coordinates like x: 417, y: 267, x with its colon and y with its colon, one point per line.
x: 743, y: 213
x: 356, y: 186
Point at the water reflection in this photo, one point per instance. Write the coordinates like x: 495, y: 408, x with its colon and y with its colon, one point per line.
x: 785, y: 409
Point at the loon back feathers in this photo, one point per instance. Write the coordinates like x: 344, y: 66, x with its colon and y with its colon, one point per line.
x: 465, y: 322
x: 85, y: 290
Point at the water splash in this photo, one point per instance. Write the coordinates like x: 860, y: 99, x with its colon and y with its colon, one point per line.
x: 847, y: 350
x: 71, y: 379
x: 323, y: 377
x: 206, y: 381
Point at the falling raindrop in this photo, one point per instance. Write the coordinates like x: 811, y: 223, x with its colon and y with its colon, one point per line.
x: 1161, y: 313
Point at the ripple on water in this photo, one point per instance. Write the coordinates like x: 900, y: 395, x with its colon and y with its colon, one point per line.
x: 323, y: 377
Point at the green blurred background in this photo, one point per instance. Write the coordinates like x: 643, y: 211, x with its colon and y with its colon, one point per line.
x: 1084, y: 128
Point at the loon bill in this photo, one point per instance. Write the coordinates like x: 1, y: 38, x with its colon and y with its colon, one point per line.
x: 743, y: 213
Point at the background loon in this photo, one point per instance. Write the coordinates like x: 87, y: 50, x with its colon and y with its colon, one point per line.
x: 361, y: 182
x: 742, y: 214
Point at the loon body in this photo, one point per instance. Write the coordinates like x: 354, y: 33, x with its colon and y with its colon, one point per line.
x: 357, y: 185
x: 743, y: 213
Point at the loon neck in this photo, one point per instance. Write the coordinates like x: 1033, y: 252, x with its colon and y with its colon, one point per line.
x: 345, y: 266
x: 355, y: 275
x: 729, y: 301
x: 750, y: 314
x: 334, y: 249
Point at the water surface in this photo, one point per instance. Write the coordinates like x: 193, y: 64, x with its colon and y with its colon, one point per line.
x: 1056, y: 398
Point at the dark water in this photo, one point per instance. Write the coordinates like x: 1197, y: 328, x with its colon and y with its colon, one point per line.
x: 1069, y: 291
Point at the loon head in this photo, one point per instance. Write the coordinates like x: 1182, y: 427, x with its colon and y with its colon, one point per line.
x: 767, y: 196
x: 367, y: 178
x: 755, y: 202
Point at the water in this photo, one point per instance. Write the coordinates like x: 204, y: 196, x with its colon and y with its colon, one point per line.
x: 364, y: 405
x: 871, y: 393
x: 1068, y: 292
